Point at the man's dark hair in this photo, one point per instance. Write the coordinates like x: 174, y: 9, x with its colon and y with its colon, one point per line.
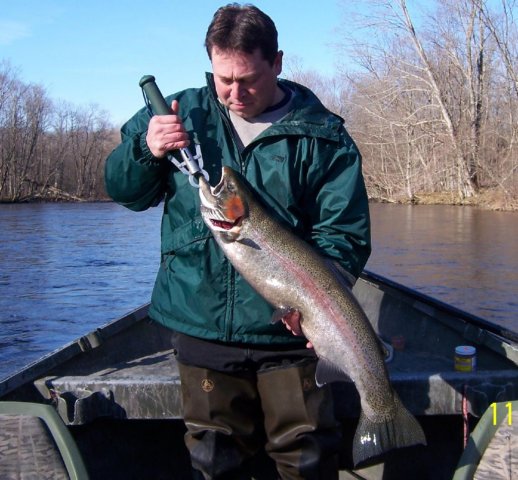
x: 242, y: 28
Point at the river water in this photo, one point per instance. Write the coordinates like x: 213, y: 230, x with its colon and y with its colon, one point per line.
x: 66, y: 269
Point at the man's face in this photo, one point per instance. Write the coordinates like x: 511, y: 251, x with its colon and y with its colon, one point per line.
x: 245, y: 83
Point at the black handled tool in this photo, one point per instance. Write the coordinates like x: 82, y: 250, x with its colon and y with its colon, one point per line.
x: 192, y: 166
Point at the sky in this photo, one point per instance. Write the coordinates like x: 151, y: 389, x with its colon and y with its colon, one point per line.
x: 95, y: 51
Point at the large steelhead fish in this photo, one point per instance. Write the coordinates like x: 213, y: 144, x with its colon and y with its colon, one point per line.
x: 290, y: 275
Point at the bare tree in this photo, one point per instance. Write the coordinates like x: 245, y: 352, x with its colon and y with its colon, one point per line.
x: 503, y: 28
x: 88, y: 137
x: 425, y: 96
x: 24, y: 113
x: 49, y: 151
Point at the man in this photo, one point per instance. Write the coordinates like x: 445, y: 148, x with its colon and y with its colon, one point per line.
x: 247, y: 384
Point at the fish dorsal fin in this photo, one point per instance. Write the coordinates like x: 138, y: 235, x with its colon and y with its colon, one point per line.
x: 328, y: 372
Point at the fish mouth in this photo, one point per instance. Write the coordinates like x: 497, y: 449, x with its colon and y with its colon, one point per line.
x: 221, y: 206
x: 208, y: 196
x: 225, y: 225
x: 217, y: 218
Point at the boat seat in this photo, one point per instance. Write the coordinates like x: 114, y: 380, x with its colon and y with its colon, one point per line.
x: 35, y: 443
x: 488, y: 454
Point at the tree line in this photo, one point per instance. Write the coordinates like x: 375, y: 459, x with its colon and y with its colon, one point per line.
x: 432, y: 102
x: 49, y: 150
x: 433, y: 98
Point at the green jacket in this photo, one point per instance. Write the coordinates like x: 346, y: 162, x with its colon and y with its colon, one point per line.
x: 305, y: 168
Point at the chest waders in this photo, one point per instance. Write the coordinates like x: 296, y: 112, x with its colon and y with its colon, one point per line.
x: 256, y: 413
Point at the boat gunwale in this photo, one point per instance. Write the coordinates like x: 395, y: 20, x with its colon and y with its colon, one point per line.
x: 79, y: 346
x: 41, y: 366
x: 441, y: 306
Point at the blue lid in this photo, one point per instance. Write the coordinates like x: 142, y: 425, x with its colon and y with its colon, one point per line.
x: 465, y: 350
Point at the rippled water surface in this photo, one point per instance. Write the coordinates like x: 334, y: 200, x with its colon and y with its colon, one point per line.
x: 464, y: 256
x: 67, y: 268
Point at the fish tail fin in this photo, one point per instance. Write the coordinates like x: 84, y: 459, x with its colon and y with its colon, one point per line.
x: 373, y: 439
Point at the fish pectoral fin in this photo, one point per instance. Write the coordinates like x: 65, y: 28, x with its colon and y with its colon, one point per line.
x: 280, y: 313
x: 328, y: 372
x: 387, y: 350
x: 247, y: 242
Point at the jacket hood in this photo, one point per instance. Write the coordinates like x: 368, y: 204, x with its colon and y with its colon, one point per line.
x: 309, y: 117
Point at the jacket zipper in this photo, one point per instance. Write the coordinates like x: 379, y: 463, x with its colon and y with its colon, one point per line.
x: 231, y: 287
x: 231, y: 273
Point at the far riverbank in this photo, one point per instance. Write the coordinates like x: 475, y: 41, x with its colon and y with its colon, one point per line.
x: 487, y: 199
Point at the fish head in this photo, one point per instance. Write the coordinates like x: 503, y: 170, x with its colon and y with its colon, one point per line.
x: 225, y: 206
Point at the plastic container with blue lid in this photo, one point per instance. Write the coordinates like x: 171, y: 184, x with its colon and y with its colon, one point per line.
x: 465, y: 358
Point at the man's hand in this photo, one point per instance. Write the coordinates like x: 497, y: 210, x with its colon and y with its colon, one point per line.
x: 292, y: 322
x: 166, y: 133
